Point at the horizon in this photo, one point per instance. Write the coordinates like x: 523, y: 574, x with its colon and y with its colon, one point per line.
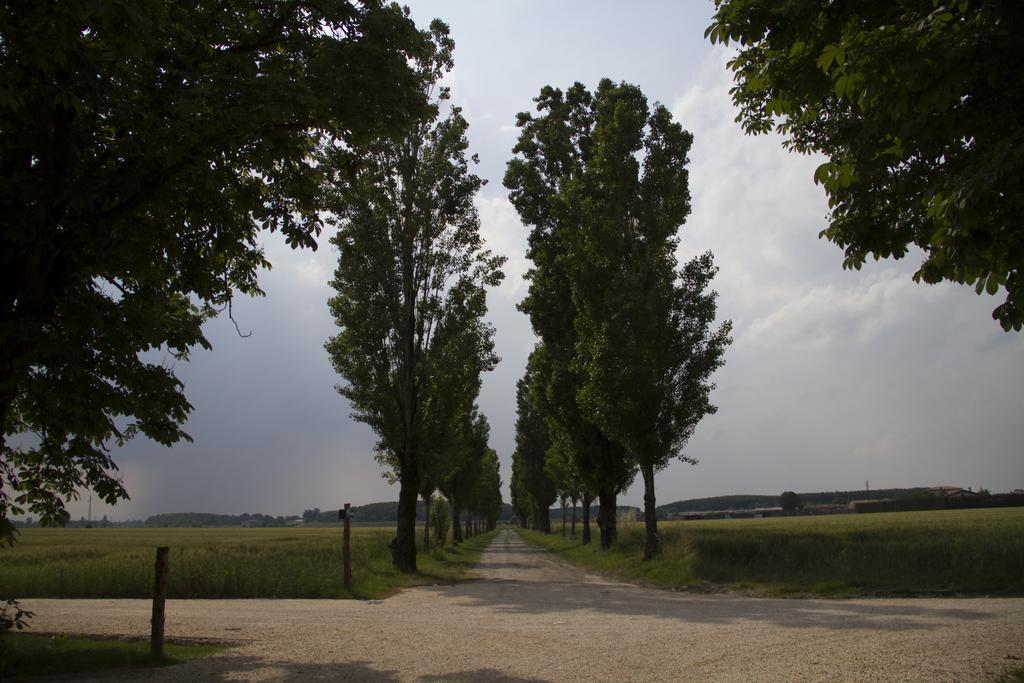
x: 553, y: 508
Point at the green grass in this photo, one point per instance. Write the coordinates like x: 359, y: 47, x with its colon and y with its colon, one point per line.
x: 218, y: 563
x: 976, y: 552
x: 1014, y: 675
x: 30, y: 654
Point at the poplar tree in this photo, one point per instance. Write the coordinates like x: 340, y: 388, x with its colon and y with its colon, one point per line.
x: 552, y: 153
x: 520, y: 499
x: 533, y: 440
x: 603, y: 178
x: 646, y: 344
x: 411, y: 266
x: 463, y: 464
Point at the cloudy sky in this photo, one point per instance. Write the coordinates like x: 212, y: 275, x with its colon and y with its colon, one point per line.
x: 834, y: 379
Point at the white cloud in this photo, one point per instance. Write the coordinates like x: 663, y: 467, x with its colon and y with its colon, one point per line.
x: 834, y: 376
x: 505, y: 234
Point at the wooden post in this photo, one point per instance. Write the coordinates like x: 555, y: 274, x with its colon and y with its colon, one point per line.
x: 156, y: 638
x: 346, y: 550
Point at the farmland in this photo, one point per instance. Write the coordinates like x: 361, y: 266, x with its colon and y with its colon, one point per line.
x: 936, y: 552
x: 217, y: 563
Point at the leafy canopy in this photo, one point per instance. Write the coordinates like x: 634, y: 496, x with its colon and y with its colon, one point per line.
x: 143, y: 147
x: 918, y: 106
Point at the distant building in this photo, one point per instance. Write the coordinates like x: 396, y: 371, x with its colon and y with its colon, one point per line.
x: 952, y: 492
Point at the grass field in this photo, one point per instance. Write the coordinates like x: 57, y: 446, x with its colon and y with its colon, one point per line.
x: 217, y: 563
x: 975, y: 552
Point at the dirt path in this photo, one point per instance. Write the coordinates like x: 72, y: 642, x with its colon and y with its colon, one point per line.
x: 531, y: 618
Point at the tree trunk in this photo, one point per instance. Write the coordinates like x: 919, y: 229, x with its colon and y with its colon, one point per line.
x: 573, y: 519
x: 563, y: 518
x: 6, y: 399
x: 586, y: 519
x: 652, y: 543
x: 426, y: 523
x: 404, y: 552
x: 606, y: 517
x: 456, y: 522
x: 543, y: 519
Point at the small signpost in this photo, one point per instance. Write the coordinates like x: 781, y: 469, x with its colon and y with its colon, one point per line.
x: 156, y: 638
x: 346, y: 552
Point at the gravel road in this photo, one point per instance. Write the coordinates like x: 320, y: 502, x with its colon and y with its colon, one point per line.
x: 528, y: 617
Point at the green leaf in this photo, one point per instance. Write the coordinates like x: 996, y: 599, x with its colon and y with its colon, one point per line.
x: 827, y: 57
x: 992, y: 285
x: 846, y: 174
x: 840, y: 85
x: 822, y: 173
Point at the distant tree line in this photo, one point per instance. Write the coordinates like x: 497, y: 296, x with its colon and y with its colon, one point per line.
x: 204, y: 519
x: 82, y: 523
x: 750, y: 502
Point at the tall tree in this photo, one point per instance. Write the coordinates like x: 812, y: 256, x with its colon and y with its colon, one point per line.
x: 560, y: 467
x: 143, y: 146
x: 533, y: 440
x: 521, y: 503
x: 553, y: 151
x: 463, y: 466
x: 645, y: 346
x: 462, y: 352
x: 918, y: 106
x: 485, y: 499
x: 411, y: 266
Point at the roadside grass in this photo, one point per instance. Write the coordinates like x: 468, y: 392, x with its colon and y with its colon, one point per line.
x: 32, y: 654
x: 219, y: 563
x: 944, y: 552
x: 1015, y: 675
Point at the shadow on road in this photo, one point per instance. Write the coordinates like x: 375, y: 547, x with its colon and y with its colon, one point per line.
x: 232, y: 667
x: 518, y: 578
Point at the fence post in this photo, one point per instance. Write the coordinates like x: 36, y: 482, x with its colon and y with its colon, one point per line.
x: 156, y: 638
x: 346, y: 551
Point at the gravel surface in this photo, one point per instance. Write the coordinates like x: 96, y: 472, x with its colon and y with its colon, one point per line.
x: 529, y: 617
